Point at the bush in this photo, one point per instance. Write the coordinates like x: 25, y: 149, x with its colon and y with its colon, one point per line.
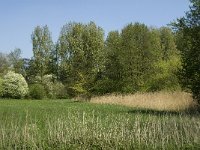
x: 1, y: 87
x: 53, y: 88
x: 14, y: 85
x: 59, y: 90
x: 37, y: 91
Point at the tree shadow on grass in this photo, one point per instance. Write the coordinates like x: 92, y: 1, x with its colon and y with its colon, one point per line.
x: 189, y: 112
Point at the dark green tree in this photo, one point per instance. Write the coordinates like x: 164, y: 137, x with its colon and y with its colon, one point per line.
x: 135, y: 57
x: 111, y: 79
x: 188, y: 32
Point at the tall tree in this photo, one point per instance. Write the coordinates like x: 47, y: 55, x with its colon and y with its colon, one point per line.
x: 4, y: 63
x: 80, y: 49
x: 167, y: 64
x: 42, y: 49
x: 168, y: 44
x: 135, y: 56
x: 113, y: 66
x: 16, y: 60
x: 188, y: 31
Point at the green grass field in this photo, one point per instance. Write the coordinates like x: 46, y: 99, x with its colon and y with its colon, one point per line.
x: 66, y: 124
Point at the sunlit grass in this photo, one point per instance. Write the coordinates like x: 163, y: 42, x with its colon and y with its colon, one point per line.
x: 65, y: 124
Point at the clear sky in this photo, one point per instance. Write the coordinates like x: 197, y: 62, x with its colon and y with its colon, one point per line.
x: 18, y: 18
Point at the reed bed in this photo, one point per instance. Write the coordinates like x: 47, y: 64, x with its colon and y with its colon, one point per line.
x: 163, y: 101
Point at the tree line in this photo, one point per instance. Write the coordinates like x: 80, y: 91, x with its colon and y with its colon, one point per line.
x: 137, y: 58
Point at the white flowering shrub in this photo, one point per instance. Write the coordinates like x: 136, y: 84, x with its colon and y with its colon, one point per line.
x: 14, y: 85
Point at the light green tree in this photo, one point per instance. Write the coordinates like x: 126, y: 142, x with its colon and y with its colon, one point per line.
x: 15, y: 60
x: 42, y: 49
x: 167, y: 62
x: 80, y: 53
x: 4, y: 64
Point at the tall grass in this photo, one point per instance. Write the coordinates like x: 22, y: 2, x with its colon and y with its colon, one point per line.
x: 74, y: 125
x: 174, y: 101
x: 76, y: 130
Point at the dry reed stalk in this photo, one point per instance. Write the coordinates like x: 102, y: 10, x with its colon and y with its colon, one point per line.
x: 169, y: 101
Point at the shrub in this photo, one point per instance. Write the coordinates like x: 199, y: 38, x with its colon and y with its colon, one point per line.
x: 1, y: 87
x: 14, y: 85
x: 37, y: 91
x: 59, y: 90
x: 47, y: 82
x: 53, y: 88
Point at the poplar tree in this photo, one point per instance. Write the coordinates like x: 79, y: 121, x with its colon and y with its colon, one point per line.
x: 113, y: 66
x: 80, y: 53
x: 135, y: 56
x: 42, y: 49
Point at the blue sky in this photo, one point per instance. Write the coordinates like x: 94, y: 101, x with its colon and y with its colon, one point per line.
x: 18, y: 18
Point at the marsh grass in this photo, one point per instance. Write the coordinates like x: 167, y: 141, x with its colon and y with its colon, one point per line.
x: 161, y: 101
x: 69, y: 125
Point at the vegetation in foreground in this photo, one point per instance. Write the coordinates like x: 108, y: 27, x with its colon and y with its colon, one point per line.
x: 66, y: 124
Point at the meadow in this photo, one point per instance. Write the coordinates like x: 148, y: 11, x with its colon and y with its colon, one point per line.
x: 69, y: 124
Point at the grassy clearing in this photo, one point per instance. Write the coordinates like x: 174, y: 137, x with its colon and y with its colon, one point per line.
x: 64, y: 124
x: 161, y: 101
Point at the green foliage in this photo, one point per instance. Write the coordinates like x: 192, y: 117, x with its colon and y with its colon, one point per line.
x: 37, y: 91
x: 47, y: 82
x: 4, y: 64
x: 1, y: 87
x: 81, y: 63
x: 52, y: 87
x: 42, y: 50
x: 106, y: 85
x: 139, y: 59
x: 14, y: 85
x: 188, y: 41
x: 165, y: 77
x: 113, y: 65
x: 78, y: 88
x: 59, y: 90
x: 80, y: 51
x: 16, y: 60
x: 136, y: 57
x: 167, y: 65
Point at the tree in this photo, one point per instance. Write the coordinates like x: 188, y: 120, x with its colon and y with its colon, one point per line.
x: 167, y: 64
x: 188, y: 40
x: 42, y: 50
x: 16, y: 60
x: 136, y: 57
x: 113, y: 68
x: 168, y: 44
x: 80, y: 53
x: 4, y: 63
